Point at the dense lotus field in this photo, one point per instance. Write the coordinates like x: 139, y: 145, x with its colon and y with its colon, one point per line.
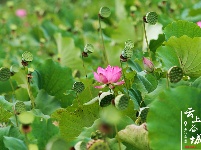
x: 100, y: 75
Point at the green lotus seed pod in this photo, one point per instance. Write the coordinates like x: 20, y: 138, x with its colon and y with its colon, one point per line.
x: 89, y: 48
x: 32, y: 147
x: 104, y: 12
x: 20, y: 107
x: 175, y: 74
x: 151, y: 18
x: 143, y: 114
x: 26, y: 117
x: 13, y: 27
x: 93, y: 135
x: 27, y: 56
x: 105, y: 99
x: 98, y: 132
x: 10, y: 3
x: 121, y: 102
x: 97, y: 145
x: 127, y: 53
x: 129, y: 44
x: 39, y: 11
x: 42, y: 40
x: 4, y: 74
x: 80, y: 146
x: 97, y: 135
x: 78, y: 87
x: 133, y: 8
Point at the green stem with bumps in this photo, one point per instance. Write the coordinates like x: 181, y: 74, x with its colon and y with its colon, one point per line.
x: 86, y: 75
x: 101, y: 33
x: 124, y: 79
x: 11, y: 84
x: 145, y: 34
x: 84, y: 67
x: 168, y: 84
x: 78, y: 101
x: 29, y: 90
x: 16, y: 119
x: 26, y: 139
x: 13, y: 102
x: 90, y: 91
x: 31, y: 96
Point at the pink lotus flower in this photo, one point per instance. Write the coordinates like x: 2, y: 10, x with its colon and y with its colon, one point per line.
x: 21, y: 13
x: 108, y: 76
x: 199, y: 23
x: 148, y: 65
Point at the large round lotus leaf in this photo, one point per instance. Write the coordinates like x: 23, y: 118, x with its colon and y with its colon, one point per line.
x: 26, y: 118
x: 184, y: 50
x: 182, y: 27
x: 164, y: 118
x: 137, y: 136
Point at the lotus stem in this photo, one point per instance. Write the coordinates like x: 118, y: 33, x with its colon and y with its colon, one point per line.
x: 11, y: 84
x: 101, y: 34
x: 168, y: 84
x: 124, y: 78
x: 84, y: 66
x: 145, y: 34
x: 31, y: 96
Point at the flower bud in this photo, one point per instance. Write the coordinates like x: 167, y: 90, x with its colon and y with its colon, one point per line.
x: 148, y: 65
x: 21, y: 13
x: 199, y: 23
